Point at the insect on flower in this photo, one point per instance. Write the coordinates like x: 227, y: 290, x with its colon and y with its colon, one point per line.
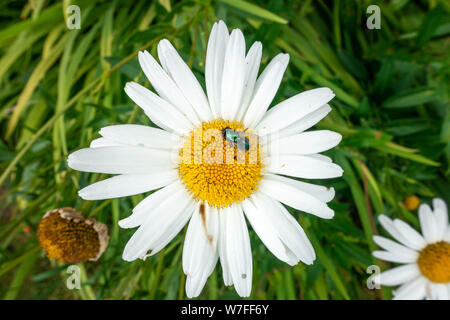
x: 236, y: 138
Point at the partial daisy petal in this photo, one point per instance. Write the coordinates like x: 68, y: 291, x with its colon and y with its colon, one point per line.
x: 139, y: 135
x: 140, y: 212
x: 321, y: 157
x: 392, y: 257
x: 262, y: 225
x: 439, y: 204
x: 320, y: 192
x: 303, y: 167
x: 239, y: 254
x: 288, y: 229
x: 103, y: 142
x: 120, y: 160
x: 413, y: 290
x: 172, y: 231
x: 306, y: 122
x: 184, y: 78
x: 395, y: 248
x: 194, y: 285
x: 127, y: 185
x: 441, y: 217
x: 233, y: 76
x: 252, y: 62
x: 388, y: 225
x: 428, y: 223
x: 399, y: 275
x: 215, y: 56
x: 172, y: 213
x: 296, y: 198
x: 265, y: 89
x: 296, y: 108
x: 439, y: 291
x: 200, y: 244
x: 223, y: 218
x: 200, y: 252
x: 161, y: 112
x: 166, y: 87
x: 447, y: 235
x: 310, y: 142
x: 408, y: 235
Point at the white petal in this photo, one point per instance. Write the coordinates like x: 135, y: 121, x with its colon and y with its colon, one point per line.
x: 119, y: 160
x: 262, y: 225
x: 265, y: 89
x: 161, y: 112
x: 310, y: 142
x: 428, y: 223
x: 306, y: 122
x: 233, y: 75
x: 321, y: 157
x: 439, y: 291
x: 162, y: 223
x: 166, y: 87
x: 194, y: 285
x: 291, y: 234
x: 303, y: 167
x: 127, y: 185
x: 413, y: 241
x: 407, y: 235
x: 252, y: 62
x: 184, y: 78
x: 215, y: 56
x: 172, y: 231
x: 441, y: 217
x: 295, y: 109
x: 322, y: 193
x: 413, y: 290
x: 200, y: 252
x: 200, y: 244
x: 152, y: 201
x: 392, y: 257
x: 296, y: 198
x: 239, y: 254
x: 439, y: 204
x: 223, y: 218
x: 399, y: 275
x: 139, y: 135
x: 447, y: 235
x: 103, y: 142
x: 395, y: 248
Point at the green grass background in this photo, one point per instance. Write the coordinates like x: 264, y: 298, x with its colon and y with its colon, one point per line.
x: 60, y: 86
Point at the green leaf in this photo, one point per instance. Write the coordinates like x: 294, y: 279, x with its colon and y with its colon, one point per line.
x: 429, y: 25
x: 254, y: 10
x: 411, y: 98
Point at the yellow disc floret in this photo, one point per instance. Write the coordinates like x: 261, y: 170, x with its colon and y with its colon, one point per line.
x: 70, y: 238
x: 434, y: 262
x: 220, y: 163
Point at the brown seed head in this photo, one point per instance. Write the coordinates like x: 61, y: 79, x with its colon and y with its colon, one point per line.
x: 70, y: 238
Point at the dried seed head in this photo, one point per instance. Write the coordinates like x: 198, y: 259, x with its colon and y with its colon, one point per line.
x: 70, y: 238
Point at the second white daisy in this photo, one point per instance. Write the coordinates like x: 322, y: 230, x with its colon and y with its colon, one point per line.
x: 426, y: 257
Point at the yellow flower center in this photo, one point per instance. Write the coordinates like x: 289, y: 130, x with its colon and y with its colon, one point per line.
x: 66, y: 236
x: 434, y: 262
x: 220, y: 163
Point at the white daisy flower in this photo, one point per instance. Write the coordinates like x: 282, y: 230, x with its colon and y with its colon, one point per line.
x: 233, y: 122
x: 426, y: 257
